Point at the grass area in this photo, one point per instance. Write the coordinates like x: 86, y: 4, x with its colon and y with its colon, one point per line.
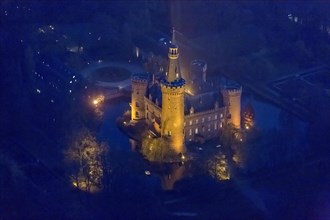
x: 111, y: 74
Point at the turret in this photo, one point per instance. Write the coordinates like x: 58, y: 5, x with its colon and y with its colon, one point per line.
x: 232, y: 98
x: 173, y: 86
x: 139, y: 88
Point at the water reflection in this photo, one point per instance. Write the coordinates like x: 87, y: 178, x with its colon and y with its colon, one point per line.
x: 134, y: 144
x: 169, y: 173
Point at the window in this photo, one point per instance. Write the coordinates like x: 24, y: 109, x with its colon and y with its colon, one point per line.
x: 209, y: 118
x: 221, y: 115
x: 196, y: 121
x: 221, y: 125
x: 196, y: 130
x: 190, y: 132
x: 137, y: 114
x: 147, y: 107
x: 203, y: 119
x: 169, y: 133
x: 216, y: 117
x: 215, y: 126
x: 190, y: 122
x: 137, y: 104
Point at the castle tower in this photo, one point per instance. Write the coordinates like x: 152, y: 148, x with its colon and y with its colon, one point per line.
x: 232, y: 98
x: 172, y: 87
x: 139, y: 88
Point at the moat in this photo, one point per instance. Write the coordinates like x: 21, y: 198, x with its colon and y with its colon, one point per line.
x: 194, y: 188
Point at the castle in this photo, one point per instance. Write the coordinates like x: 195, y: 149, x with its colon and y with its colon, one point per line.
x: 170, y: 111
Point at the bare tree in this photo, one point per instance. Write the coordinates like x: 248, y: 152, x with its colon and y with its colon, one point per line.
x: 88, y: 160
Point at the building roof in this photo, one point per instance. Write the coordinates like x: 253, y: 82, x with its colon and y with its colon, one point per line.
x: 140, y: 76
x: 155, y: 92
x: 203, y: 102
x: 200, y: 102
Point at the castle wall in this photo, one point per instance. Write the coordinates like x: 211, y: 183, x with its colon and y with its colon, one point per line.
x: 152, y: 114
x: 232, y: 99
x: 204, y: 125
x: 139, y: 88
x: 172, y: 119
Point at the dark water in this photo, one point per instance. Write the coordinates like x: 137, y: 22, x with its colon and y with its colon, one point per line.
x: 109, y: 132
x: 125, y: 155
x: 192, y: 189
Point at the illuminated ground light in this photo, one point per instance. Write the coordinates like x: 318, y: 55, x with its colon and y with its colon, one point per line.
x: 98, y: 100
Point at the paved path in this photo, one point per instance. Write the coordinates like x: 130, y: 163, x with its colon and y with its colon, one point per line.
x: 132, y: 68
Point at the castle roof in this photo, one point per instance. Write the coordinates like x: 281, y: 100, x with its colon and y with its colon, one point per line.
x: 200, y: 102
x: 140, y: 76
x: 203, y: 102
x: 155, y: 92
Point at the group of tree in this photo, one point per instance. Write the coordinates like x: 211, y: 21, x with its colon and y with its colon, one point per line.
x: 254, y: 149
x: 218, y: 167
x: 156, y: 149
x: 88, y: 162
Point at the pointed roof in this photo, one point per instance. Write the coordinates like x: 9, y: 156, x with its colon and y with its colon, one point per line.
x: 173, y: 73
x: 173, y: 36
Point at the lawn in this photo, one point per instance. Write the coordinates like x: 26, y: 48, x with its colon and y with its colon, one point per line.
x: 111, y: 74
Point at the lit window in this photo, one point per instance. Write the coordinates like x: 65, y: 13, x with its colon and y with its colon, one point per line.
x: 221, y: 115
x: 190, y: 132
x: 196, y: 130
x: 190, y: 122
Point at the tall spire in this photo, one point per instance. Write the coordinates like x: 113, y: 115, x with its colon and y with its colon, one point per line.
x: 173, y: 36
x: 173, y: 70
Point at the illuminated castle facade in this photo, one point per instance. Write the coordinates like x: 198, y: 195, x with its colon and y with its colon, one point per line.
x: 170, y: 111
